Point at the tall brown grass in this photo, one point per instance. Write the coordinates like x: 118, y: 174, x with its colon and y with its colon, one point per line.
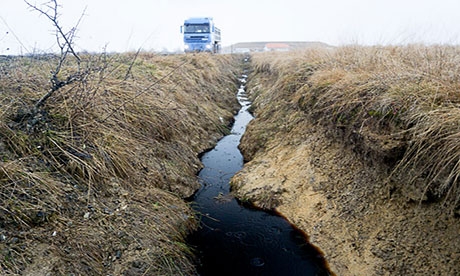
x: 92, y: 182
x: 397, y: 104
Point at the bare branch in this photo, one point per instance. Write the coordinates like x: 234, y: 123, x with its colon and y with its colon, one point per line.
x: 66, y: 47
x: 53, y: 17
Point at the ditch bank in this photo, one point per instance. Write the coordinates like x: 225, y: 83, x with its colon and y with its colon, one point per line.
x: 93, y: 182
x: 324, y: 151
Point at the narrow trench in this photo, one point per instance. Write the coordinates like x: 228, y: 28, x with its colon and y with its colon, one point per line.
x: 239, y: 240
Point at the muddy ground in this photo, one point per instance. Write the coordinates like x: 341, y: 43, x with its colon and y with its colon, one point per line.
x: 363, y: 221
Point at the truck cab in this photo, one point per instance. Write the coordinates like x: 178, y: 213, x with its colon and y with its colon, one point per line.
x: 201, y: 35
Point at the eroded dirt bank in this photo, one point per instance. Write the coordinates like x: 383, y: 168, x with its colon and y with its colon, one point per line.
x: 93, y: 181
x: 332, y: 149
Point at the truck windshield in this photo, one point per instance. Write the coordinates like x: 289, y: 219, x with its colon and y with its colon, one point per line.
x: 196, y: 28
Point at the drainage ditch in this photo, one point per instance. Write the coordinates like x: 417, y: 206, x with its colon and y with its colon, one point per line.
x: 234, y: 239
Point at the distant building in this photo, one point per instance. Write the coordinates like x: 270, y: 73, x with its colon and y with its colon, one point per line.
x: 277, y: 47
x: 241, y: 50
x: 260, y: 46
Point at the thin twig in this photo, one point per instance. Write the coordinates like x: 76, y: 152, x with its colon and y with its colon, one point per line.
x: 132, y: 63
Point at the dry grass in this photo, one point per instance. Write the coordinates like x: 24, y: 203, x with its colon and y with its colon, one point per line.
x: 92, y: 183
x: 397, y: 105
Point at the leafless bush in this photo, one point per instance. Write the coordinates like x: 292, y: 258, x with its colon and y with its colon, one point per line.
x: 65, y: 42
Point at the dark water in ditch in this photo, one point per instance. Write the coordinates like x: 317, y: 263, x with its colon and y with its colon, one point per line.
x: 236, y: 240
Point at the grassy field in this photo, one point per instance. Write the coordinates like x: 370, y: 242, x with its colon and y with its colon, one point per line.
x: 397, y: 105
x: 92, y: 180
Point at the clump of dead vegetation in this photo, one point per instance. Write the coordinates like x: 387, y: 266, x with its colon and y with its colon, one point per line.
x: 394, y: 105
x: 91, y: 178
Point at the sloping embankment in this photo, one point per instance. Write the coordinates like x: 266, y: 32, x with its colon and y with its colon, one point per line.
x: 92, y: 182
x: 359, y: 148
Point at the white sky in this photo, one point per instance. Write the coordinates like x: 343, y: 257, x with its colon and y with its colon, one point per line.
x: 126, y: 25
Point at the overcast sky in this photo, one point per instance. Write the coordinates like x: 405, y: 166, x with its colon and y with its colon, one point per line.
x: 126, y: 25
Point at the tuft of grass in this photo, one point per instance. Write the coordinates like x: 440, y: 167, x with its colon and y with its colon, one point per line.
x: 396, y: 104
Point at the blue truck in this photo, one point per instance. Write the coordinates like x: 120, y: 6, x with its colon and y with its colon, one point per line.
x: 201, y: 35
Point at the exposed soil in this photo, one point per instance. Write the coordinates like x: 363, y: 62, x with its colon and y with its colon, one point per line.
x: 363, y: 221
